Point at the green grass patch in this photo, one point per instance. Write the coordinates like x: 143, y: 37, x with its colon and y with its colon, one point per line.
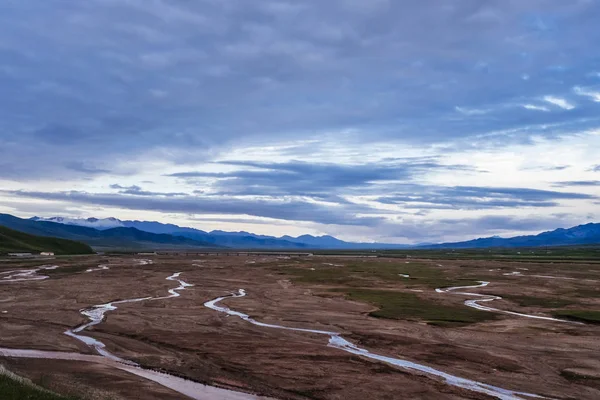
x: 545, y: 302
x: 584, y: 293
x: 428, y: 275
x: 590, y: 317
x: 360, y: 274
x: 15, y: 389
x: 331, y: 276
x: 531, y: 254
x: 576, y: 376
x: 409, y: 306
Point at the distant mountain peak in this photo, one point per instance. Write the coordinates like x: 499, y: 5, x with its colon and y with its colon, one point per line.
x: 578, y: 235
x: 100, y: 224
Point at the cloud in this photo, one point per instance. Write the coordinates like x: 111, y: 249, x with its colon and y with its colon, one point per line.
x: 559, y: 102
x: 558, y: 168
x: 593, y: 95
x: 276, y: 71
x: 458, y: 229
x: 578, y: 183
x: 595, y: 168
x: 548, y: 168
x: 138, y: 191
x: 86, y: 169
x: 132, y: 187
x: 291, y: 210
x: 475, y: 198
x: 471, y: 111
x: 511, y: 223
x: 99, y: 90
x: 314, y: 179
x: 536, y: 108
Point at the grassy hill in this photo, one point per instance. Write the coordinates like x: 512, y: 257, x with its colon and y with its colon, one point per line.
x: 13, y: 387
x: 15, y: 241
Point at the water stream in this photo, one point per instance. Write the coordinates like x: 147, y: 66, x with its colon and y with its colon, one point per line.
x: 474, y: 303
x: 101, y: 267
x: 191, y: 389
x: 21, y: 275
x: 95, y: 314
x: 338, y: 342
x: 143, y: 261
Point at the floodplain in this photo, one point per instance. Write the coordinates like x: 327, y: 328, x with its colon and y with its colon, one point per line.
x: 325, y: 326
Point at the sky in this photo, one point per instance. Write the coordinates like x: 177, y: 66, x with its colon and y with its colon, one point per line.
x: 398, y: 121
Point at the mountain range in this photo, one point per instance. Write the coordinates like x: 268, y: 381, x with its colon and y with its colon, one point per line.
x: 110, y: 238
x: 577, y: 235
x: 218, y: 238
x: 115, y: 233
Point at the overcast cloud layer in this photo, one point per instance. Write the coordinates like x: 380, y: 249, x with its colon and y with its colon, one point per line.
x: 401, y: 121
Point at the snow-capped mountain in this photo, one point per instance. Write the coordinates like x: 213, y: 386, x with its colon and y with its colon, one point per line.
x: 100, y: 224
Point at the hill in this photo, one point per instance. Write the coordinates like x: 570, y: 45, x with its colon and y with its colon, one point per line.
x: 578, y: 235
x: 12, y: 241
x: 122, y: 237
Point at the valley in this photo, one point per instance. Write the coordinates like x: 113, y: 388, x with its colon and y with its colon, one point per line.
x: 286, y: 327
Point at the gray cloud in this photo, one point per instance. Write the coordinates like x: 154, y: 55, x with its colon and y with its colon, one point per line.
x: 292, y: 210
x: 558, y: 168
x: 138, y: 191
x: 346, y: 213
x: 577, y: 183
x: 121, y: 187
x: 98, y: 87
x: 510, y: 223
x: 79, y: 166
x: 355, y: 218
x: 315, y: 179
x: 475, y: 198
x: 454, y: 229
x: 110, y: 78
x: 553, y: 168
